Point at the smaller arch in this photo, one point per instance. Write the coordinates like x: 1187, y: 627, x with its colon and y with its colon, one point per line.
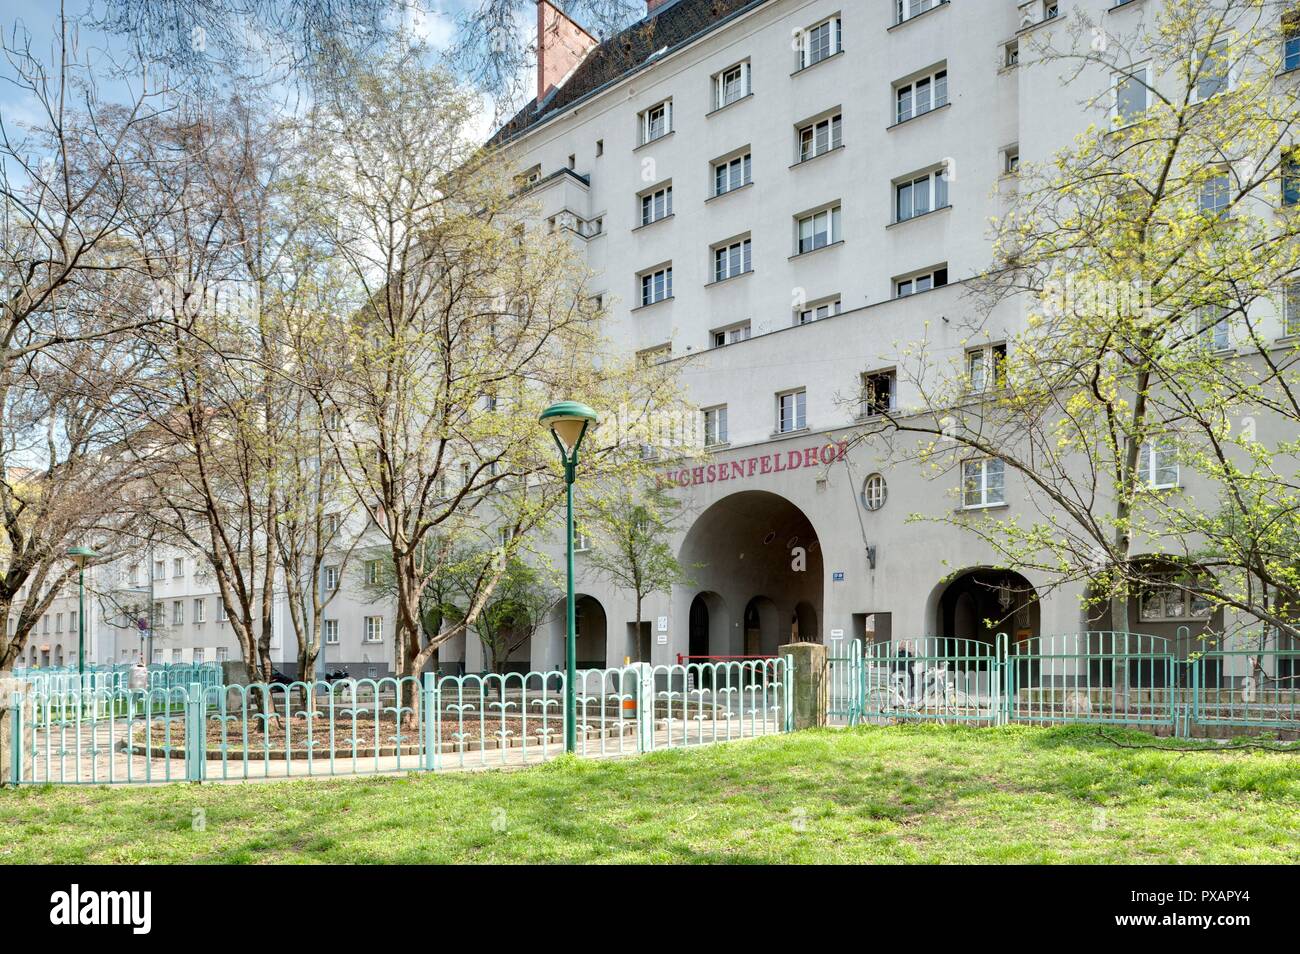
x: 804, y: 627
x: 762, y: 627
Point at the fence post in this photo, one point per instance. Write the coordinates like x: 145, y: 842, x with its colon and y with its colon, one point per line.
x: 195, y: 734
x: 645, y: 706
x: 809, y: 696
x: 12, y: 698
x: 1001, y: 699
x: 432, y: 713
x: 787, y: 695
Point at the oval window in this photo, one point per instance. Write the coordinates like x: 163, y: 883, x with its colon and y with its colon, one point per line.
x: 874, y: 492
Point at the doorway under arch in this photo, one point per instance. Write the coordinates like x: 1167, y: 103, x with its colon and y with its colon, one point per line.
x: 980, y: 603
x: 590, y: 648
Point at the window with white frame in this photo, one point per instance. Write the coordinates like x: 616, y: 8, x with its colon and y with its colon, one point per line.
x: 730, y: 334
x: 1158, y: 460
x: 732, y: 259
x: 1291, y: 309
x: 730, y: 85
x: 374, y: 629
x: 176, y: 657
x: 731, y: 174
x: 874, y: 492
x: 914, y: 284
x: 985, y: 367
x: 1213, y: 328
x: 819, y: 42
x: 913, y: 197
x: 878, y: 389
x: 656, y: 285
x: 330, y: 525
x: 715, y: 425
x: 330, y: 629
x: 1291, y: 40
x: 1166, y: 598
x: 178, y: 612
x: 159, y: 570
x: 1130, y: 94
x: 817, y: 310
x: 1214, y: 73
x: 657, y: 204
x: 820, y: 137
x: 330, y: 578
x: 200, y: 610
x: 818, y: 229
x: 1011, y: 54
x: 222, y: 615
x: 656, y: 122
x: 157, y: 657
x: 906, y: 9
x: 983, y: 483
x: 1215, y: 195
x: 1011, y: 160
x: 372, y: 572
x: 223, y: 654
x: 199, y: 656
x: 919, y: 96
x: 791, y: 411
x: 178, y: 567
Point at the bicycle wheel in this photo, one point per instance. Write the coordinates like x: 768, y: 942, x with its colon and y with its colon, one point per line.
x: 878, y: 705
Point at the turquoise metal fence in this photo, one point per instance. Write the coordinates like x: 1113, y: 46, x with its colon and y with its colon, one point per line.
x: 1248, y: 688
x: 1102, y: 677
x: 200, y: 732
x: 164, y: 676
x: 931, y: 678
x: 844, y: 665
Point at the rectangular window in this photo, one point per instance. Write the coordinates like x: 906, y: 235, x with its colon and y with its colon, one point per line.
x: 657, y: 205
x: 819, y: 42
x: 159, y: 570
x: 878, y: 392
x: 920, y: 96
x: 1215, y: 195
x: 918, y: 196
x: 985, y: 367
x: 222, y: 615
x: 715, y: 425
x: 819, y: 230
x: 1011, y: 160
x: 657, y: 285
x: 730, y: 85
x: 726, y: 336
x: 198, y: 657
x: 920, y: 283
x: 178, y: 612
x: 791, y: 411
x: 1131, y: 94
x: 819, y: 137
x: 657, y: 121
x: 1164, y: 599
x: 1213, y: 328
x: 983, y: 483
x: 330, y: 578
x: 1291, y: 177
x: 1214, y: 73
x: 200, y: 610
x: 223, y: 654
x: 176, y: 657
x: 72, y: 621
x: 906, y: 9
x: 817, y: 311
x: 1291, y: 40
x: 732, y: 260
x: 372, y: 572
x: 1011, y: 54
x: 1291, y: 309
x: 178, y: 567
x: 58, y: 622
x: 1159, y: 464
x: 731, y: 174
x: 330, y: 628
x: 374, y: 629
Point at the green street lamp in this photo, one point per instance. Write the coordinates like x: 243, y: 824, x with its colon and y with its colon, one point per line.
x: 81, y: 556
x: 568, y: 422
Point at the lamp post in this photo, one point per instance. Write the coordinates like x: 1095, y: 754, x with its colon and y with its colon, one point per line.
x: 568, y: 422
x: 81, y: 556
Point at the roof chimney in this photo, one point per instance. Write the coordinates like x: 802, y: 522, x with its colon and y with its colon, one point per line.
x: 652, y: 5
x: 561, y: 46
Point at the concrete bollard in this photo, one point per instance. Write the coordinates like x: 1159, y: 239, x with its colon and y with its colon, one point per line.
x: 811, y: 683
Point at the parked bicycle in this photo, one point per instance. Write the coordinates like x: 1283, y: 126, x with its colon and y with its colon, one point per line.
x: 917, y: 690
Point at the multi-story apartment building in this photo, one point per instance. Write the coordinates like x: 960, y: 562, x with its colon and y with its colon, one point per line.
x: 783, y: 196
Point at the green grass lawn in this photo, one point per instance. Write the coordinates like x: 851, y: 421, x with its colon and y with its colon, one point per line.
x: 906, y: 794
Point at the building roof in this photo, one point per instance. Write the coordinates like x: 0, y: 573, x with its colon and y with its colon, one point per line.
x: 671, y: 26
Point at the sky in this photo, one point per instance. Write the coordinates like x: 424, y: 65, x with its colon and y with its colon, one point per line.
x: 433, y: 21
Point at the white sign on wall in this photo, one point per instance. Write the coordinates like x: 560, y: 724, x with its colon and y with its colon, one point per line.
x: 663, y: 624
x: 837, y: 634
x: 663, y: 639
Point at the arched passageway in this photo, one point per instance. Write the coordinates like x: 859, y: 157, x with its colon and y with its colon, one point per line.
x: 756, y: 562
x: 591, y: 638
x: 980, y: 603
